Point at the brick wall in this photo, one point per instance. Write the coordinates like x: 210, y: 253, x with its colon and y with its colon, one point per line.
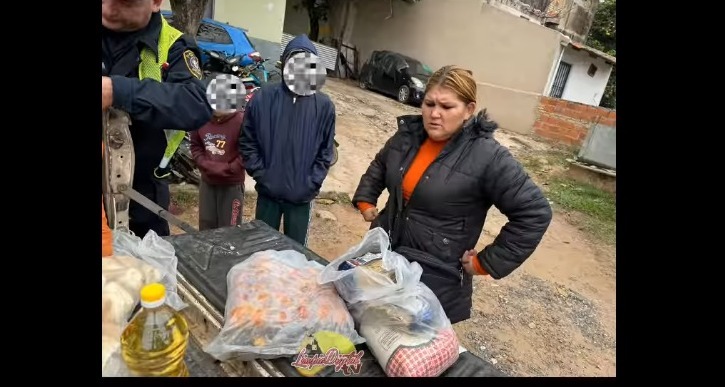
x: 569, y: 122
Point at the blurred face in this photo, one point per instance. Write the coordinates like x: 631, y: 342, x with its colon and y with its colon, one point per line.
x: 444, y: 113
x: 128, y: 15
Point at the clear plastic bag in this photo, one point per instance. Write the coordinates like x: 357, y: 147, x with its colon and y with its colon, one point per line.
x: 401, y: 319
x: 408, y: 334
x: 360, y: 284
x: 273, y: 303
x: 158, y: 253
x: 122, y: 278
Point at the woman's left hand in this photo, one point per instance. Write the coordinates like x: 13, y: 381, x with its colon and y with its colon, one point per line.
x: 467, y: 261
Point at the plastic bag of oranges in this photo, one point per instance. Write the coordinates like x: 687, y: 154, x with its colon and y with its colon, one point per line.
x: 273, y: 303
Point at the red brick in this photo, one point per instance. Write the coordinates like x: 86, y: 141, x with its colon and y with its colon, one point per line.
x: 551, y: 120
x: 547, y: 101
x: 580, y: 114
x: 589, y: 115
x: 582, y: 135
x: 570, y: 126
x: 608, y: 121
x: 548, y: 108
x: 553, y: 128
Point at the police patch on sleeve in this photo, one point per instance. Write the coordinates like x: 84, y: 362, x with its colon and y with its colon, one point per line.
x: 192, y: 63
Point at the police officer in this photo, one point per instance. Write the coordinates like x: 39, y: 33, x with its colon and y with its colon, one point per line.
x: 151, y: 71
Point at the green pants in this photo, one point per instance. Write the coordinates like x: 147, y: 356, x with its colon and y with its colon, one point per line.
x: 296, y: 217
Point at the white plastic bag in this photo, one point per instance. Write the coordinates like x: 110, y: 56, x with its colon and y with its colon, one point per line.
x: 401, y: 319
x: 122, y: 278
x: 155, y: 251
x: 408, y: 334
x: 273, y: 303
x: 357, y: 285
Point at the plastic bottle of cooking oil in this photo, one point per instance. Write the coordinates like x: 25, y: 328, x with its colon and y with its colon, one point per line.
x: 154, y: 342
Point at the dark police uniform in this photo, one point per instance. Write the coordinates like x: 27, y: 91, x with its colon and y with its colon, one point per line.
x: 179, y: 102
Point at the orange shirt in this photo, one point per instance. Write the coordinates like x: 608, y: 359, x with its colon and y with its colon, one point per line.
x: 106, y: 233
x: 427, y: 153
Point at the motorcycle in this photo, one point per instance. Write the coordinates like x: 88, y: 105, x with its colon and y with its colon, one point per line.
x: 220, y: 63
x: 258, y: 70
x: 252, y: 75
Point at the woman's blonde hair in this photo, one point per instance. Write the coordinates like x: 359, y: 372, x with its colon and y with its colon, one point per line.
x: 458, y: 79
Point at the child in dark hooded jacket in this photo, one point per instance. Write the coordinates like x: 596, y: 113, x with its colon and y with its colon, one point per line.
x: 288, y: 141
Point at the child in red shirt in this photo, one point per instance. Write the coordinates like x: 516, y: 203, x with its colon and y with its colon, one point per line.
x: 215, y: 148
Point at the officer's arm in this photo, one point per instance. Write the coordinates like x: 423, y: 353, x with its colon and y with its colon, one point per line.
x: 177, y: 103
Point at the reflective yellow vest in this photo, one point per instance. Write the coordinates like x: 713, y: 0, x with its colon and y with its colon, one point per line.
x: 151, y: 68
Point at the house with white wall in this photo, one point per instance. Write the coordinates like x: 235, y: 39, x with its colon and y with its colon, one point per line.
x: 581, y: 74
x: 515, y: 56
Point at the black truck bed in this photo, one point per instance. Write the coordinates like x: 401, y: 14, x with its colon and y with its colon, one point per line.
x: 206, y: 257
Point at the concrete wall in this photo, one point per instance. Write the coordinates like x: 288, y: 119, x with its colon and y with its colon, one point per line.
x: 580, y: 86
x: 209, y: 12
x: 569, y: 122
x: 263, y: 19
x: 510, y: 57
x: 297, y: 22
x: 573, y: 17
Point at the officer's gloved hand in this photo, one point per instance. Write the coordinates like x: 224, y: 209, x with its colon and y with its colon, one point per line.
x: 162, y: 173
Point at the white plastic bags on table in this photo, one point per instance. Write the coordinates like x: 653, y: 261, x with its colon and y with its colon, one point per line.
x: 401, y: 319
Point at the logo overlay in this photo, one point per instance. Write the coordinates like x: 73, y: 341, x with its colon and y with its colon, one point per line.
x: 327, y: 349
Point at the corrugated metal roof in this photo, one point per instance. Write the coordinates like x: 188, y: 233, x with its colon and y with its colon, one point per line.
x: 327, y: 54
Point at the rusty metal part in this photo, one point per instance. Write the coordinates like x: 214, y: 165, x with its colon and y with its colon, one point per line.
x: 118, y: 165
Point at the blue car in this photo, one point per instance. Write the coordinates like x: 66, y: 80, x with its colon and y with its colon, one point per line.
x: 222, y: 37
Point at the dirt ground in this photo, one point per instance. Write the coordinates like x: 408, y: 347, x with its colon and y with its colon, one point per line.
x: 554, y: 316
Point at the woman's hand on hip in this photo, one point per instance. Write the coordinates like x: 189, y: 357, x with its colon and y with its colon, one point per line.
x: 370, y: 214
x: 467, y: 261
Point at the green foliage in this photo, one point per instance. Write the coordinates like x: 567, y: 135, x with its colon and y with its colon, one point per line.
x: 603, y: 37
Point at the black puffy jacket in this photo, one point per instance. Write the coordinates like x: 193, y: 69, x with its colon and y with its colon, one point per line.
x: 446, y: 212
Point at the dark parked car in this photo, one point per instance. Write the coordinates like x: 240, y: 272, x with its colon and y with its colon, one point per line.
x: 396, y: 75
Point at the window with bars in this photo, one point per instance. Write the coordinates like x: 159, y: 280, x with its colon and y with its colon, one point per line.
x: 562, y: 75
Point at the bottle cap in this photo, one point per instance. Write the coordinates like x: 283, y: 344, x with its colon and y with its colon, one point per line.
x: 153, y: 295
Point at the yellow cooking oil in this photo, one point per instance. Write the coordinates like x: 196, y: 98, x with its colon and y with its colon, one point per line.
x: 154, y: 341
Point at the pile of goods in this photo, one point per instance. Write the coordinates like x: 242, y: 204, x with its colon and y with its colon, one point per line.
x: 137, y: 262
x: 278, y: 300
x: 273, y: 303
x: 401, y: 319
x: 122, y: 278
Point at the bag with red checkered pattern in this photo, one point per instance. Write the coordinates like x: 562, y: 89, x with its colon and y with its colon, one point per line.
x: 408, y: 333
x: 401, y: 319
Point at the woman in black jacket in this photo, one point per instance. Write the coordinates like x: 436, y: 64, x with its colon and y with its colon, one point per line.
x: 444, y: 170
